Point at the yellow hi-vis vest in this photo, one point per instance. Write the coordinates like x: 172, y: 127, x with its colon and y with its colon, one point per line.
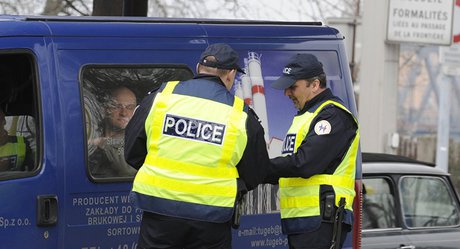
x: 194, y: 145
x: 299, y: 197
x: 14, y: 150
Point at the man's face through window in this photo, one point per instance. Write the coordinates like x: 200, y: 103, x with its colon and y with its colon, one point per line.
x: 122, y: 107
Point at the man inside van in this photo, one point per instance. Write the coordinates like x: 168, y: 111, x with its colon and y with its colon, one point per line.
x: 316, y: 173
x: 199, y: 149
x: 108, y: 158
x: 15, y: 153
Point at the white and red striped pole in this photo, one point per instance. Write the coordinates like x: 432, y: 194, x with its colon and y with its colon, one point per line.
x: 257, y: 89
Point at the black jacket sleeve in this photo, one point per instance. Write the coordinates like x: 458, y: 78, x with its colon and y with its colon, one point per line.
x: 318, y: 154
x: 135, y: 135
x: 253, y: 165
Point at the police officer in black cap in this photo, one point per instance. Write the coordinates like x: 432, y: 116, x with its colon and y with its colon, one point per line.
x: 198, y: 149
x: 316, y: 173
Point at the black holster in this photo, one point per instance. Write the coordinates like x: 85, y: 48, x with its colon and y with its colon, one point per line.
x: 237, y: 213
x: 328, y: 208
x: 337, y: 227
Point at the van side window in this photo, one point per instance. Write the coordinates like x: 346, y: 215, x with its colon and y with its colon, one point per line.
x: 18, y: 116
x: 110, y: 96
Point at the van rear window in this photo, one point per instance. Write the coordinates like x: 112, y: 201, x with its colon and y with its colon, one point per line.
x: 110, y: 95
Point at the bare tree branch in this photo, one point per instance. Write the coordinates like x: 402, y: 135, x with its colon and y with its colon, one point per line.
x: 5, y: 6
x: 158, y: 8
x: 87, y: 8
x: 69, y: 3
x: 240, y: 9
x: 53, y: 7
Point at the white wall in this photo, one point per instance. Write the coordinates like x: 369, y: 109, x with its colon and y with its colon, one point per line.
x: 378, y: 78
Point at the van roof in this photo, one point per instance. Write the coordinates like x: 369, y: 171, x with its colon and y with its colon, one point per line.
x: 11, y: 25
x: 149, y: 20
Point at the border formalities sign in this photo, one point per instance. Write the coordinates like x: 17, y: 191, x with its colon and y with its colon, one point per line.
x: 420, y: 21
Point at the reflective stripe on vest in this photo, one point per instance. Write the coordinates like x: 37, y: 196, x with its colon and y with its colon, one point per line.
x: 192, y: 154
x: 299, y: 197
x: 16, y: 149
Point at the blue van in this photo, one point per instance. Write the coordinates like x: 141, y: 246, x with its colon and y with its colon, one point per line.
x: 60, y: 84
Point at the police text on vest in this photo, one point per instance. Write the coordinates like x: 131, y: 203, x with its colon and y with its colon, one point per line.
x: 288, y: 144
x: 189, y: 128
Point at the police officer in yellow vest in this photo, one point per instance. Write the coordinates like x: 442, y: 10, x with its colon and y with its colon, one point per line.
x: 317, y: 168
x: 14, y: 151
x: 198, y: 149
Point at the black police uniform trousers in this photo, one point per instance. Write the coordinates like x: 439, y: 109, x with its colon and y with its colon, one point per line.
x: 159, y: 231
x: 318, y: 239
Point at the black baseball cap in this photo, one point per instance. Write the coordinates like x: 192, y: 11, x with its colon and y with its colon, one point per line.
x: 226, y: 57
x: 300, y: 66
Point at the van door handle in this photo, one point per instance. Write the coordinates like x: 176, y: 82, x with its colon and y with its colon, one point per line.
x: 407, y: 247
x: 47, y: 210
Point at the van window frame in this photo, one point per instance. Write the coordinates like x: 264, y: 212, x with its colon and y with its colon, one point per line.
x: 38, y: 158
x: 116, y: 179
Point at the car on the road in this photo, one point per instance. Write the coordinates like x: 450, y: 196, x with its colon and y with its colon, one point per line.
x: 408, y: 204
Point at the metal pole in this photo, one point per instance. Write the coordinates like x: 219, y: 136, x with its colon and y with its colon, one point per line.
x: 442, y: 148
x: 353, y: 44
